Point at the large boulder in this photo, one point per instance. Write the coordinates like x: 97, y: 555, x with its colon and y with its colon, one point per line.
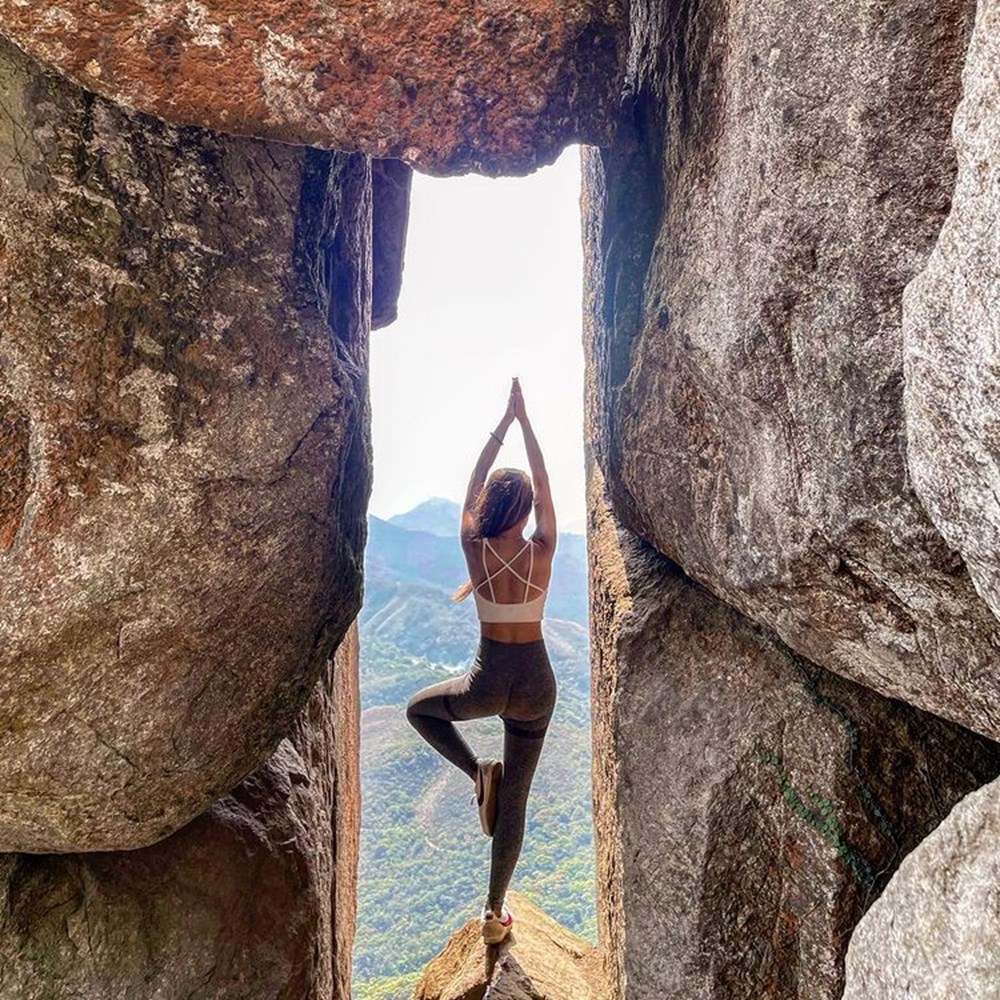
x: 185, y: 456
x: 253, y: 900
x: 499, y: 87
x: 934, y: 934
x: 539, y: 960
x: 951, y: 328
x: 780, y: 173
x: 749, y: 805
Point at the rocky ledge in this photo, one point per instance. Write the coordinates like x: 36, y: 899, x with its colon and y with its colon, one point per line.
x: 541, y: 960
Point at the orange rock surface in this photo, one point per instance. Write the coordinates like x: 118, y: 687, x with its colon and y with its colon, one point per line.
x: 540, y: 960
x: 448, y: 85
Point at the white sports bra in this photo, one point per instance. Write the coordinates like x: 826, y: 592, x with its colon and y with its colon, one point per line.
x: 509, y: 611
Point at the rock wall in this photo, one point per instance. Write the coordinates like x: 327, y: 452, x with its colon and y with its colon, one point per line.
x: 935, y: 932
x: 778, y: 177
x: 253, y: 900
x: 749, y: 804
x: 449, y: 87
x: 792, y: 477
x: 951, y: 330
x: 184, y: 421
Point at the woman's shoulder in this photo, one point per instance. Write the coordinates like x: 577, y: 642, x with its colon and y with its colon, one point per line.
x: 545, y: 544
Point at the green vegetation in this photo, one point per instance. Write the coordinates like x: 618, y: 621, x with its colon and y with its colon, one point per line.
x: 387, y: 987
x: 424, y: 861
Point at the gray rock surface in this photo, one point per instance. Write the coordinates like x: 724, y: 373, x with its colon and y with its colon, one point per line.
x: 185, y: 457
x: 934, y: 934
x: 748, y: 805
x: 951, y: 328
x: 391, y: 182
x: 253, y: 900
x: 779, y: 174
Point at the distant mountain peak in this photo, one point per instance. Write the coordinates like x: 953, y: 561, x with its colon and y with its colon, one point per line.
x: 437, y: 516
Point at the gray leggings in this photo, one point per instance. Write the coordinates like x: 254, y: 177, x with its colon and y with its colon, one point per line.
x: 515, y: 681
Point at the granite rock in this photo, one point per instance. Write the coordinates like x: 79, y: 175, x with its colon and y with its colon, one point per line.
x: 777, y: 178
x: 253, y: 900
x: 934, y: 934
x: 748, y: 805
x: 539, y: 960
x: 448, y: 86
x: 186, y: 459
x: 391, y: 182
x: 951, y: 331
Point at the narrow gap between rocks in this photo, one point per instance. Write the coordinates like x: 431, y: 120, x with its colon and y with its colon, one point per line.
x: 492, y: 288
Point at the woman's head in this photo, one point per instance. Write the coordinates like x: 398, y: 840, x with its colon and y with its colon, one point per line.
x: 504, y: 501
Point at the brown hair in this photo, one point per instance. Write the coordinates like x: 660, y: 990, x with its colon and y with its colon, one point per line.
x: 506, y: 498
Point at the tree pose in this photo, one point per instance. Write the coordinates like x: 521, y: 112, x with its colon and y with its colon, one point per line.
x: 511, y: 675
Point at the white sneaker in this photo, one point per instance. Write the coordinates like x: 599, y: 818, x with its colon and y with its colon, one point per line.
x: 496, y: 928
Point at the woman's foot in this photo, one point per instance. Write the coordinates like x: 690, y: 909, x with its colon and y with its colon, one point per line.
x: 488, y: 776
x: 496, y: 926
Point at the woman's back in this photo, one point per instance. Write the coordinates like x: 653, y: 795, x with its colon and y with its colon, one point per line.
x: 507, y: 572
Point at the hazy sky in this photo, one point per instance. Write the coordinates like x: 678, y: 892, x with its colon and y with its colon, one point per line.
x: 492, y: 287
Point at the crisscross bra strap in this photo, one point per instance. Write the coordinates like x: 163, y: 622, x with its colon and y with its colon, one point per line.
x: 507, y: 565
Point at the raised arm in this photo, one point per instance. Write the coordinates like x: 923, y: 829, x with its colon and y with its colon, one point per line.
x: 483, y: 465
x: 545, y: 513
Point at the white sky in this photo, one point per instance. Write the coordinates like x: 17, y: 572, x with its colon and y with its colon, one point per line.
x: 492, y: 287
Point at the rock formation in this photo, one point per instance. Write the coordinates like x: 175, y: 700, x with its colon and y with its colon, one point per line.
x: 185, y: 457
x: 777, y: 432
x: 540, y: 960
x: 253, y: 900
x: 391, y: 181
x: 749, y: 804
x: 777, y: 179
x: 951, y: 327
x: 449, y: 87
x: 793, y: 480
x: 935, y: 931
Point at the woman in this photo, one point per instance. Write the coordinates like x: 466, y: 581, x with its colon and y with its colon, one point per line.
x: 511, y: 675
